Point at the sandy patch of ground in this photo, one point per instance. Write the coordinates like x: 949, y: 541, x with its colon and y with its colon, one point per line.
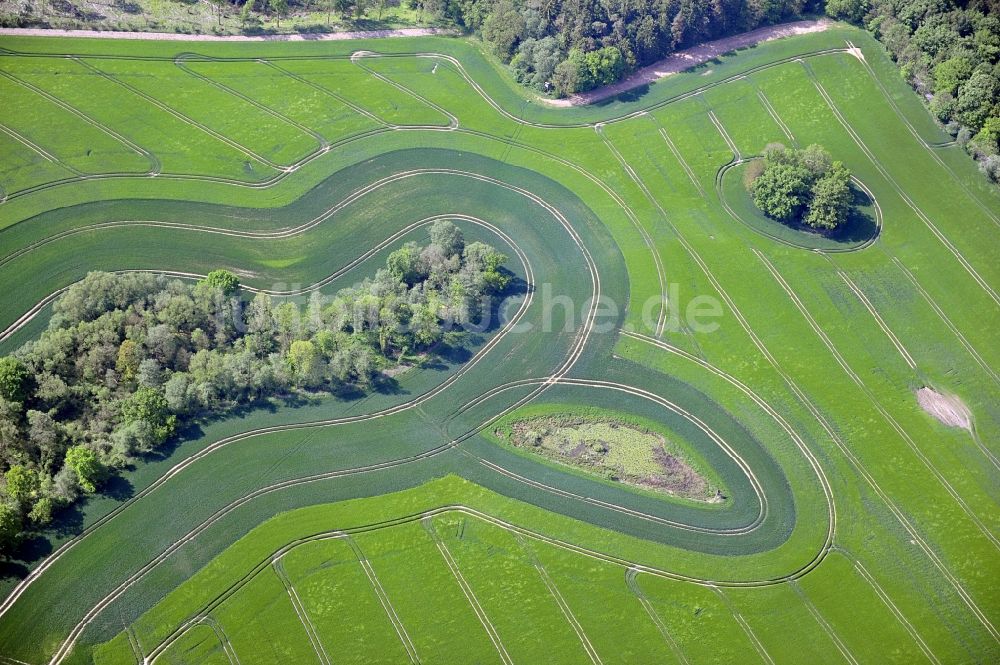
x: 946, y: 408
x: 696, y: 55
x: 170, y: 36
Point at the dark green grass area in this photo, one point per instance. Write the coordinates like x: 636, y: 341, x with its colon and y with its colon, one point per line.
x: 859, y: 231
x: 875, y: 534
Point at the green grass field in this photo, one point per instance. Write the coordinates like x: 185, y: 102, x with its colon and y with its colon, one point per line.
x: 396, y: 528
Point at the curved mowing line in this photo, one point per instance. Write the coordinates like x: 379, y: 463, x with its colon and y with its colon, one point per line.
x: 279, y: 176
x: 574, y: 354
x: 899, y: 190
x: 517, y: 531
x: 720, y: 195
x: 154, y: 162
x: 766, y: 103
x: 320, y: 140
x: 67, y: 645
x: 755, y: 484
x: 904, y: 435
x: 858, y: 466
x: 180, y: 466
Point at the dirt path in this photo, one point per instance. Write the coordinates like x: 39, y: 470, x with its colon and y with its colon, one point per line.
x: 178, y: 37
x: 696, y: 55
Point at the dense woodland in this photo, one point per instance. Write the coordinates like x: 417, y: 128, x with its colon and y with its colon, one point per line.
x: 129, y: 358
x: 801, y: 187
x: 950, y: 52
x: 574, y: 45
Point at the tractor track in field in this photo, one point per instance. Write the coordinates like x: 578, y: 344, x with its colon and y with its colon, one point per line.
x: 154, y: 163
x: 68, y: 644
x: 742, y: 623
x: 426, y: 520
x: 766, y: 103
x: 425, y: 517
x: 757, y: 487
x: 903, y: 519
x: 227, y: 647
x: 278, y: 566
x: 646, y: 238
x: 874, y: 401
x: 904, y: 354
x: 633, y: 586
x: 283, y: 171
x: 910, y: 203
x: 321, y: 142
x: 180, y: 466
x: 947, y: 321
x: 896, y: 612
x: 564, y: 607
x: 577, y: 350
x: 723, y: 201
x: 678, y: 156
x: 824, y: 624
x: 383, y: 598
x: 929, y: 147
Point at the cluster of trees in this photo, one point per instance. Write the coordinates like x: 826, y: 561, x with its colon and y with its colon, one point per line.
x: 128, y: 358
x: 250, y: 11
x: 950, y: 52
x: 569, y: 46
x: 801, y: 186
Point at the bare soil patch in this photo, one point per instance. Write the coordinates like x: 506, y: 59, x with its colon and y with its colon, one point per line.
x: 948, y: 409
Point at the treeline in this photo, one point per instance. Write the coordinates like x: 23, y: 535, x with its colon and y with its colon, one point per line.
x: 950, y: 52
x: 574, y: 45
x: 128, y: 358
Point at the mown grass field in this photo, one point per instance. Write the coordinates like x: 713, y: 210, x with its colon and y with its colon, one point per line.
x: 395, y: 528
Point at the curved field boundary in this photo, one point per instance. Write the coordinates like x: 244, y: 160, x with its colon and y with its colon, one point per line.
x: 468, y: 511
x: 899, y: 190
x: 154, y: 162
x: 930, y: 147
x: 903, y: 519
x: 284, y: 170
x: 873, y: 399
x: 723, y: 201
x: 180, y: 466
x: 145, y: 570
x: 666, y: 404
